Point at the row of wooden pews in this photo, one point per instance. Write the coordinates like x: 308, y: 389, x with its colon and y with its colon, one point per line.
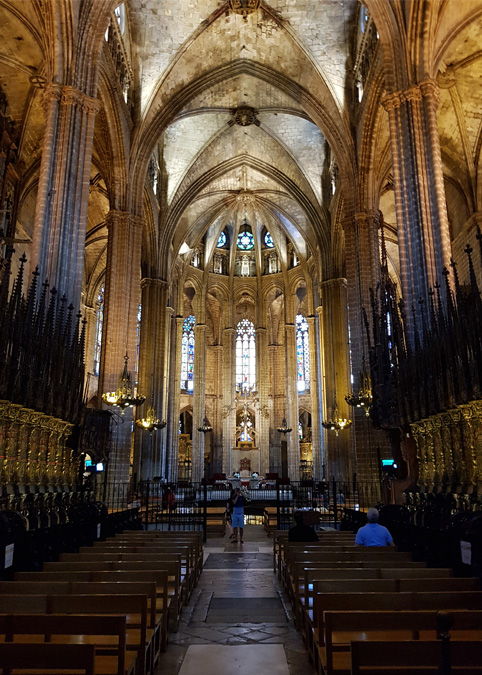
x: 119, y: 599
x: 373, y: 610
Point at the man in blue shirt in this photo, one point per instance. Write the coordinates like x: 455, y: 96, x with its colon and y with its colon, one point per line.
x: 373, y: 534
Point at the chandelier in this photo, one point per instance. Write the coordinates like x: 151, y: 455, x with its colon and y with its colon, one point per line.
x: 284, y: 428
x: 363, y: 397
x: 336, y: 423
x: 244, y: 7
x: 205, y: 427
x: 151, y: 422
x: 124, y: 396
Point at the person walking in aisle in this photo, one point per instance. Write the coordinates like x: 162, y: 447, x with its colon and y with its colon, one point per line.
x: 238, y: 516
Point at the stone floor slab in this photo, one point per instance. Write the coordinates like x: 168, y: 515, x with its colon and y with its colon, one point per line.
x: 239, y: 659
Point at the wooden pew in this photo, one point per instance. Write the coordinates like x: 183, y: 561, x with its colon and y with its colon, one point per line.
x: 280, y: 542
x: 158, y: 606
x: 172, y: 568
x: 111, y: 660
x: 416, y: 656
x: 303, y: 599
x: 312, y: 556
x: 188, y: 549
x: 184, y: 575
x: 401, y: 601
x: 159, y: 536
x: 47, y: 658
x: 341, y: 628
x: 133, y: 607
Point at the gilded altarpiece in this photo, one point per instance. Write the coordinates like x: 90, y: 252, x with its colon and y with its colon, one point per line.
x: 449, y: 446
x: 33, y: 449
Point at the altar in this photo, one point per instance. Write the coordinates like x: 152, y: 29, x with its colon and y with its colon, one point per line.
x: 246, y: 459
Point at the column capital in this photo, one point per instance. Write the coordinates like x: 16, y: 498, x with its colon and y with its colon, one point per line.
x: 229, y: 330
x: 319, y: 310
x: 333, y: 283
x: 122, y: 218
x: 67, y: 95
x: 150, y: 281
x: 426, y: 89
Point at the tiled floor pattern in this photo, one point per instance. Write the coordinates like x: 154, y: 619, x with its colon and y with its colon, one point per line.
x: 238, y: 620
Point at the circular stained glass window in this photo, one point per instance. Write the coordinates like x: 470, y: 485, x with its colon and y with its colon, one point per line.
x: 221, y: 240
x: 268, y: 240
x: 245, y: 241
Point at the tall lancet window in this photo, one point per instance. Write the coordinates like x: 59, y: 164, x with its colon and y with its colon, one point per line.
x: 245, y: 354
x: 187, y: 354
x: 98, y: 329
x: 302, y: 353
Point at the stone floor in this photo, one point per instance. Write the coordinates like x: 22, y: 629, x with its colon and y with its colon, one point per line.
x: 238, y: 619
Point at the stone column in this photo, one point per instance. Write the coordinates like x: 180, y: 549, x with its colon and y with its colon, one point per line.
x: 199, y: 402
x: 363, y: 273
x: 155, y: 319
x: 63, y: 191
x: 122, y: 295
x: 172, y: 439
x: 321, y: 396
x: 229, y: 391
x: 292, y: 411
x: 423, y: 229
x: 315, y: 372
x: 262, y: 427
x: 278, y: 407
x: 339, y: 454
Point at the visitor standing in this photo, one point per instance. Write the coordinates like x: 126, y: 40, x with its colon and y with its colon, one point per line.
x: 238, y: 516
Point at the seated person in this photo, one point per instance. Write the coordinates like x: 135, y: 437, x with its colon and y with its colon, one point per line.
x: 373, y: 534
x: 300, y: 531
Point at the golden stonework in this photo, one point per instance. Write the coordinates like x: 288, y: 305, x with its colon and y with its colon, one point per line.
x: 244, y: 7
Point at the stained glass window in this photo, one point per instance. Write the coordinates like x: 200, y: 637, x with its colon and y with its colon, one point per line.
x: 302, y: 353
x: 98, y: 329
x: 187, y: 354
x: 245, y: 354
x: 221, y: 240
x: 300, y: 431
x: 268, y: 240
x: 245, y: 241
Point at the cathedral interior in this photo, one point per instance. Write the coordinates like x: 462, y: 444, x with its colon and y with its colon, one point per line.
x: 240, y: 285
x: 267, y: 215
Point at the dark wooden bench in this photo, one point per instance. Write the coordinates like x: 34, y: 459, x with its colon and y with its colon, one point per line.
x: 47, y: 658
x: 342, y: 628
x: 106, y: 633
x: 420, y: 657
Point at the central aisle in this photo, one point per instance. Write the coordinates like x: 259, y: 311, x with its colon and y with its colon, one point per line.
x: 237, y: 620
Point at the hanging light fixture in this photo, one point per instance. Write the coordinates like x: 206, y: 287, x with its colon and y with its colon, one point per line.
x: 363, y: 397
x: 123, y: 397
x: 336, y: 423
x: 150, y: 423
x: 205, y: 427
x: 284, y: 428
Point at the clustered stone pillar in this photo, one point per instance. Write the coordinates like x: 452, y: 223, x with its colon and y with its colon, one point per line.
x: 423, y: 229
x: 292, y: 413
x: 363, y: 271
x: 153, y: 373
x: 337, y: 375
x: 172, y: 434
x: 119, y: 337
x: 61, y: 214
x: 229, y: 388
x: 262, y: 437
x: 315, y: 370
x: 199, y: 403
